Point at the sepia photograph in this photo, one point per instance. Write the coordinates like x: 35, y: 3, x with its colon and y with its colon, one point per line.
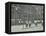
x: 26, y: 18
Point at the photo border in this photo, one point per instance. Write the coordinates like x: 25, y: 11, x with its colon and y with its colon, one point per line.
x: 7, y: 14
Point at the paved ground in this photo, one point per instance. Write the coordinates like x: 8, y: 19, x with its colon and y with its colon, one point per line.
x: 21, y: 28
